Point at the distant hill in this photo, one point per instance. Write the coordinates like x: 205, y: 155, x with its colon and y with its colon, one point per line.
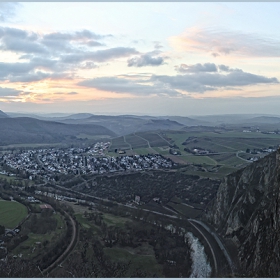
x: 126, y: 124
x: 159, y: 124
x: 79, y: 116
x: 29, y: 130
x: 264, y: 119
x: 254, y: 119
x: 3, y: 115
x: 189, y: 121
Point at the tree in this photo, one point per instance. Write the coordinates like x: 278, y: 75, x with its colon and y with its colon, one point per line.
x: 2, y: 230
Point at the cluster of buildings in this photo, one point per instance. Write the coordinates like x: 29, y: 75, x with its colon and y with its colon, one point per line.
x: 91, y: 160
x: 260, y: 152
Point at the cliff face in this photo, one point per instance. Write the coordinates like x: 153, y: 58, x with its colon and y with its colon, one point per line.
x: 246, y: 210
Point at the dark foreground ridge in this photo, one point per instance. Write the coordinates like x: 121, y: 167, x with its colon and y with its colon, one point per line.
x: 246, y: 213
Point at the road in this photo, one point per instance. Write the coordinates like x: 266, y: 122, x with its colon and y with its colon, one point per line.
x: 124, y: 139
x: 211, y: 249
x: 61, y: 258
x: 237, y: 155
x: 223, y: 264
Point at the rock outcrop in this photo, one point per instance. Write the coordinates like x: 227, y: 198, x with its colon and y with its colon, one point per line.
x: 246, y: 210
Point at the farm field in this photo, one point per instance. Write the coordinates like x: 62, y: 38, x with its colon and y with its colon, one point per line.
x: 11, y: 213
x: 223, y: 147
x: 153, y: 138
x: 136, y: 141
x: 119, y: 143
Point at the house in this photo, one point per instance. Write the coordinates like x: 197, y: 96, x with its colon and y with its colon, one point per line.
x: 137, y: 199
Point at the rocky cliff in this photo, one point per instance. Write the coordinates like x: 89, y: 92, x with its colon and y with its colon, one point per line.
x: 247, y: 211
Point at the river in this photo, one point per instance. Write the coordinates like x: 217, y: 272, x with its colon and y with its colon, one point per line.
x: 201, y: 268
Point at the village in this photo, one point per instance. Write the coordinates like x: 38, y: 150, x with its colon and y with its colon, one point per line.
x: 46, y: 163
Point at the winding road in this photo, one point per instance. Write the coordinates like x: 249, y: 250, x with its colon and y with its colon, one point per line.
x: 62, y: 257
x: 223, y: 264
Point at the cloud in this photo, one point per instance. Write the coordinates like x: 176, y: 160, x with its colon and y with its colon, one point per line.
x: 147, y: 59
x: 93, y: 44
x: 76, y: 36
x: 7, y: 10
x: 21, y: 45
x: 31, y: 71
x: 17, y: 40
x: 8, y: 92
x: 88, y: 65
x: 99, y: 56
x: 52, y: 55
x: 224, y: 68
x: 38, y: 76
x: 201, y: 82
x: 14, y: 68
x: 67, y: 41
x: 119, y: 85
x: 221, y: 43
x: 157, y: 45
x: 72, y: 93
x: 198, y: 78
x: 206, y: 67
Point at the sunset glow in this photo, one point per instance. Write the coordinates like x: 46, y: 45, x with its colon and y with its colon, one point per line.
x: 123, y: 57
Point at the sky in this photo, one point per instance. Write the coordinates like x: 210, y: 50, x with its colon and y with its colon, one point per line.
x: 148, y: 58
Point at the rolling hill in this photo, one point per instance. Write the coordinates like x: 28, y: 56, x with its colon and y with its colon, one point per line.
x: 123, y: 125
x: 29, y: 130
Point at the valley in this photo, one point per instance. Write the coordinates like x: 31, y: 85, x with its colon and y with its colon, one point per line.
x: 125, y: 205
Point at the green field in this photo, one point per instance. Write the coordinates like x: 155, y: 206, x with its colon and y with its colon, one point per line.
x: 11, y: 213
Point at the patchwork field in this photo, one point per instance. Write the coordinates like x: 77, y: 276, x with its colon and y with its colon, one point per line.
x: 226, y: 148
